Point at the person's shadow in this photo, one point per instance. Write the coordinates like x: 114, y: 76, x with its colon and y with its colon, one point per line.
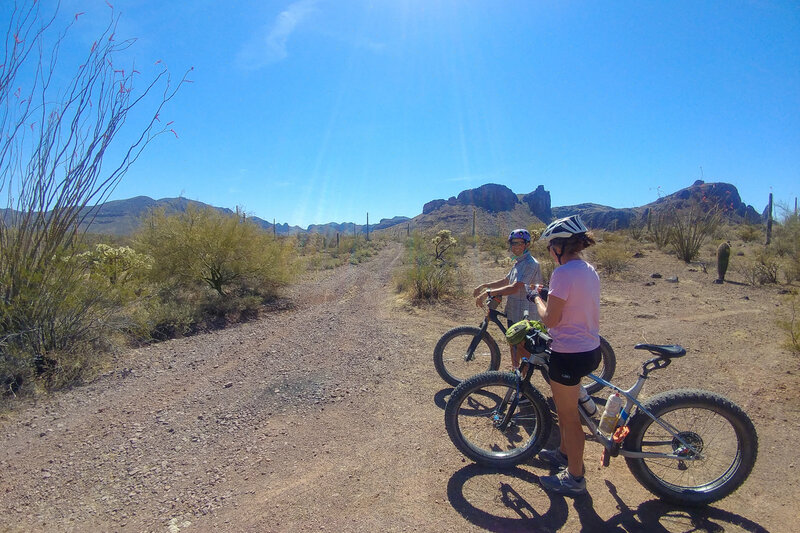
x: 647, y: 517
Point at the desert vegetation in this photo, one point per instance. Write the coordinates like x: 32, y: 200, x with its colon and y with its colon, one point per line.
x: 53, y: 142
x: 430, y: 267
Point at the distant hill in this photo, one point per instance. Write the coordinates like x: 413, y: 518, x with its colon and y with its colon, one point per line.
x: 495, y: 209
x: 122, y: 217
x: 722, y: 196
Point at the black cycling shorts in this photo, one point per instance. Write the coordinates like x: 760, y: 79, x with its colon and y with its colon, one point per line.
x: 569, y: 368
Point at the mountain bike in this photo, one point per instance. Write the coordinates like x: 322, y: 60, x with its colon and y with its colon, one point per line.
x: 687, y: 446
x: 467, y: 350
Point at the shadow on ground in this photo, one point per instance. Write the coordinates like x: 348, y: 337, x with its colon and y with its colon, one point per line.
x: 653, y: 516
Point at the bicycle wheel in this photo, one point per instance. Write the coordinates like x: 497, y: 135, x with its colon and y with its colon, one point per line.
x: 475, y: 413
x: 452, y: 361
x: 608, y: 364
x: 710, y: 423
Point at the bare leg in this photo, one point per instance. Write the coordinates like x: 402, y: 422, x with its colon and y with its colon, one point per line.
x: 569, y: 423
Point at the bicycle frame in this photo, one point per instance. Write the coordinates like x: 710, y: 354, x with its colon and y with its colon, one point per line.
x: 491, y: 315
x: 631, y: 395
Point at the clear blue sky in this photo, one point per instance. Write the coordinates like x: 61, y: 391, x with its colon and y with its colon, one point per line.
x: 318, y: 111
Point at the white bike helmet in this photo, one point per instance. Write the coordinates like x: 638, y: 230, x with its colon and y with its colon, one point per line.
x: 563, y: 228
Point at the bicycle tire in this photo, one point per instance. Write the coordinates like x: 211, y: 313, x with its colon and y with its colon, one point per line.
x: 471, y: 421
x: 715, y: 424
x: 608, y: 365
x: 450, y: 351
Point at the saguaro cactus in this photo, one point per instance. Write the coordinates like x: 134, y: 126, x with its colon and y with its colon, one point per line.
x: 723, y: 256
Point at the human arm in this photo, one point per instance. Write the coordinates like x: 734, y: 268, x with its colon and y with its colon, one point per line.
x: 492, y: 286
x: 549, y: 312
x: 500, y: 287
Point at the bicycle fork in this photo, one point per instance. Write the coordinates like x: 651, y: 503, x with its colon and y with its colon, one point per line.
x: 470, y: 355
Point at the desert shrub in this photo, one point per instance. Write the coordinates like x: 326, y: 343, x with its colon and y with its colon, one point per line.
x: 430, y: 271
x: 750, y: 233
x: 547, y: 266
x: 227, y: 253
x: 690, y: 228
x: 56, y: 134
x: 790, y: 324
x: 326, y: 252
x: 760, y: 268
x: 660, y: 228
x: 787, y: 245
x: 610, y: 256
x: 115, y: 265
x: 636, y: 229
x: 206, y: 262
x: 496, y: 247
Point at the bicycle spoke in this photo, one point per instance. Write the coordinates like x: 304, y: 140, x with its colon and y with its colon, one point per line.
x: 479, y: 416
x: 703, y: 429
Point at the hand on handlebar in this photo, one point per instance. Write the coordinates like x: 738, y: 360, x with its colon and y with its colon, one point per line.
x: 538, y: 290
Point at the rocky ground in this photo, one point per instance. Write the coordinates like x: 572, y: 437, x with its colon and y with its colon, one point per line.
x: 327, y: 415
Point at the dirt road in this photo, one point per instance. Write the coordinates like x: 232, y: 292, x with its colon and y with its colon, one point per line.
x: 328, y: 416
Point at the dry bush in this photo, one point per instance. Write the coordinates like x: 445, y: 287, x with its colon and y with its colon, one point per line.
x: 791, y: 324
x: 610, y: 257
x: 760, y: 268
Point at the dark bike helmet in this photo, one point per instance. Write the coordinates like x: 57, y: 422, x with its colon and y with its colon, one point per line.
x: 564, y: 228
x: 521, y: 233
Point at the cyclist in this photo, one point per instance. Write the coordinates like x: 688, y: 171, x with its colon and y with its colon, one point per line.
x: 572, y: 315
x: 524, y: 272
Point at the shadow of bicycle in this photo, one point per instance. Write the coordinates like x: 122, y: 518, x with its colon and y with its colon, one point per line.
x: 511, y: 500
x: 440, y: 398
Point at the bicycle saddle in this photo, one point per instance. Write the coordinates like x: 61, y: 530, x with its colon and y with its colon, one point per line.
x: 664, y: 350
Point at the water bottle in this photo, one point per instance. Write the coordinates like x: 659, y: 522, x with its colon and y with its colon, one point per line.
x: 586, y: 401
x: 611, y: 414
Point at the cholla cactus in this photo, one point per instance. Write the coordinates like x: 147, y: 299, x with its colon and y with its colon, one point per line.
x: 117, y: 265
x: 723, y: 256
x: 442, y: 242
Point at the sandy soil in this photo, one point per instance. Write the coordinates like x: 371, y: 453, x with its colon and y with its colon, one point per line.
x: 328, y: 416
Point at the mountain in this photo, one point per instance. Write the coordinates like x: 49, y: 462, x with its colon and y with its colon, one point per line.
x: 497, y: 209
x: 493, y: 209
x: 722, y: 196
x: 122, y: 217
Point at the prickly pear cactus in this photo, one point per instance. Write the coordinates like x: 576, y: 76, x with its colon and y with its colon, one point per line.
x: 723, y: 256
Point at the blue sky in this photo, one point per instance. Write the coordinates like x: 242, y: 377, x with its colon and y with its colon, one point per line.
x: 318, y: 111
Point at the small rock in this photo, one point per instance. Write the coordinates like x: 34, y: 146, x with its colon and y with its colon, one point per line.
x: 649, y: 283
x: 228, y: 385
x: 638, y: 255
x: 673, y: 279
x: 655, y: 275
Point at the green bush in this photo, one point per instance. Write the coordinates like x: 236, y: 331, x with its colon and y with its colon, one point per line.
x: 430, y: 270
x: 227, y: 253
x: 750, y: 233
x: 207, y: 268
x: 690, y: 228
